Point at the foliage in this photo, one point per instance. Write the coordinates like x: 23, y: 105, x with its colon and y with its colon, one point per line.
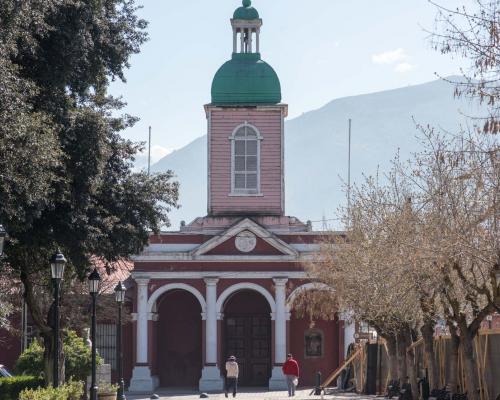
x: 67, y: 175
x: 78, y: 358
x: 31, y: 360
x: 472, y: 33
x: 106, y: 388
x: 11, y: 387
x: 70, y: 391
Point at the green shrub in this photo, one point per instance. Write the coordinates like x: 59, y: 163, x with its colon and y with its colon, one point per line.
x: 69, y: 391
x: 106, y: 388
x: 77, y: 354
x: 11, y: 387
x: 30, y: 362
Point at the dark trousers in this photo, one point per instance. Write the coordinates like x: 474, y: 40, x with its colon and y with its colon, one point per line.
x: 231, y: 383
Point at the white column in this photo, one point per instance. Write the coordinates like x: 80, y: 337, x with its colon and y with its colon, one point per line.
x: 142, y: 381
x: 250, y: 40
x: 242, y: 40
x: 211, y: 327
x: 257, y: 40
x: 277, y: 381
x: 211, y: 379
x: 235, y: 44
x: 142, y: 321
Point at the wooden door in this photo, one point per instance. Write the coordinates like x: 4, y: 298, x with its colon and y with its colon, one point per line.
x: 248, y: 338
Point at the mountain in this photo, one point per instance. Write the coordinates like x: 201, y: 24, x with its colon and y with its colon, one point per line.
x: 316, y: 147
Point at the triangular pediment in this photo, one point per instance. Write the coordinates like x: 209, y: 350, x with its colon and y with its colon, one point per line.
x: 245, y: 239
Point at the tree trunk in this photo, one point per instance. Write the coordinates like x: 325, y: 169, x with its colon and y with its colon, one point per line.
x: 429, y: 355
x: 471, y: 378
x: 401, y: 346
x: 392, y: 355
x: 411, y: 366
x: 455, y: 346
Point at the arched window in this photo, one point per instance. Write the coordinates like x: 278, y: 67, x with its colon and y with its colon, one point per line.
x: 245, y: 160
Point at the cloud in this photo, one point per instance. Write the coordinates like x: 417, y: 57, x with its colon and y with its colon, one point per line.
x: 390, y: 57
x: 404, y: 67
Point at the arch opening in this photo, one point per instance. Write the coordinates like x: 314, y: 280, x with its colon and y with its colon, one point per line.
x: 247, y: 335
x: 179, y: 339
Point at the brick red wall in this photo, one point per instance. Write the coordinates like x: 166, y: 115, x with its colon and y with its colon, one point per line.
x: 309, y: 366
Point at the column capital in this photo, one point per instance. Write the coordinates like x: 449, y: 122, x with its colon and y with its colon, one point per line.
x: 153, y: 316
x: 211, y: 281
x: 280, y: 281
x: 142, y: 281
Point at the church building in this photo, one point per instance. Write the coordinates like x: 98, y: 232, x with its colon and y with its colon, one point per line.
x: 222, y: 285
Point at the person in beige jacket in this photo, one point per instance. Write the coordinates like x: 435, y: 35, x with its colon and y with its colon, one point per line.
x: 232, y: 372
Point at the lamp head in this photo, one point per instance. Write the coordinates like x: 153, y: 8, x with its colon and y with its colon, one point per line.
x: 94, y: 281
x: 120, y: 290
x: 57, y: 265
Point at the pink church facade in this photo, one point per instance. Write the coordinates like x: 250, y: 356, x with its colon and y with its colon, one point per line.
x: 224, y: 284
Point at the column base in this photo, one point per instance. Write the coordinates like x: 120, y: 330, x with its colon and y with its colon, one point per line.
x: 278, y: 380
x: 142, y: 381
x: 210, y: 380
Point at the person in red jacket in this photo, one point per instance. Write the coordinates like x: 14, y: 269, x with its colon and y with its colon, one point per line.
x: 291, y: 372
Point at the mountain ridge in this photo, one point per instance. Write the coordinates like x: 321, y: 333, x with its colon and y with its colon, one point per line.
x: 316, y: 146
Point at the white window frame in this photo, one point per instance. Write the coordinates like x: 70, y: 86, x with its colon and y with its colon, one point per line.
x: 232, y: 138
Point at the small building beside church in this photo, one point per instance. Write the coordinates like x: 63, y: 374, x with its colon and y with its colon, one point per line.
x: 222, y: 285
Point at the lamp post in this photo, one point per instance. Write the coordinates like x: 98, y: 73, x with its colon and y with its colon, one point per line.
x: 57, y: 264
x: 94, y: 281
x: 3, y: 235
x: 120, y: 298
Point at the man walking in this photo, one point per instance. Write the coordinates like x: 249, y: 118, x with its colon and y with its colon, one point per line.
x: 232, y: 371
x: 291, y: 372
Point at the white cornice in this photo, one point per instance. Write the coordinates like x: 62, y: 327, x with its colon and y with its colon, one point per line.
x: 221, y: 274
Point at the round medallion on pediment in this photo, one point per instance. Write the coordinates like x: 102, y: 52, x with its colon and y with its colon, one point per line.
x: 245, y: 241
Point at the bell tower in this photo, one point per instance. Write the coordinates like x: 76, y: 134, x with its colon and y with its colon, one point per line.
x: 246, y: 128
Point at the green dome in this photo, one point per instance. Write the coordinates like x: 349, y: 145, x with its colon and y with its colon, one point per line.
x: 246, y: 12
x: 246, y: 79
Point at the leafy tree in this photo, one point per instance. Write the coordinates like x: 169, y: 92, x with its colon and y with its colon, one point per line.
x: 66, y: 177
x: 78, y: 362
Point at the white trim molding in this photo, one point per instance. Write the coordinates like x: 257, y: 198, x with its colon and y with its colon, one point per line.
x: 241, y: 286
x: 173, y: 286
x: 233, y: 139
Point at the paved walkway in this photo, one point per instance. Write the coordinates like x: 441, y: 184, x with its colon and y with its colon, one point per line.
x: 249, y: 394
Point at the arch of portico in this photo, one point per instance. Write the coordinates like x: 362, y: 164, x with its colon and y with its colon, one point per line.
x: 242, y: 286
x: 152, y: 301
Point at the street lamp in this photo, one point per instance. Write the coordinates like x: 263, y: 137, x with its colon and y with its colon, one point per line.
x: 94, y: 281
x: 57, y: 264
x: 120, y: 290
x: 3, y: 235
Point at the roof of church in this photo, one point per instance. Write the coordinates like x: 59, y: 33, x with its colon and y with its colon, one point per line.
x: 246, y: 12
x: 246, y: 79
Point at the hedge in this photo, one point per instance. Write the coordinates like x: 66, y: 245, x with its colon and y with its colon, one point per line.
x: 69, y: 391
x: 11, y: 387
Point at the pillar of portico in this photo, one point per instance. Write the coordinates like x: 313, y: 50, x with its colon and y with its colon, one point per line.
x: 211, y: 379
x: 277, y: 381
x: 142, y: 381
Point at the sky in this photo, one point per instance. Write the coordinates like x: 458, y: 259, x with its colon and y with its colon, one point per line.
x: 321, y: 50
